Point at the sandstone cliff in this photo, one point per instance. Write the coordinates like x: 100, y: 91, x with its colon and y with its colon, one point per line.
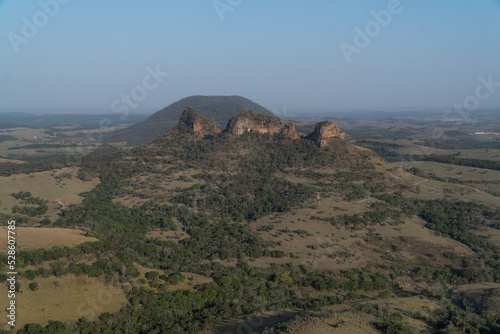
x: 249, y: 121
x: 191, y: 120
x: 324, y: 131
x: 198, y: 126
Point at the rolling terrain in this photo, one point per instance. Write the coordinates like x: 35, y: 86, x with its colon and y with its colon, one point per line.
x: 256, y: 228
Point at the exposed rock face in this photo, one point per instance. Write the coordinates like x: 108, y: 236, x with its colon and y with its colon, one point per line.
x: 324, y: 131
x: 290, y: 131
x: 192, y: 120
x: 249, y: 121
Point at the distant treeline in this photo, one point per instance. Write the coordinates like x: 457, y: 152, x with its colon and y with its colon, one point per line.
x: 476, y: 163
x: 103, y: 154
x: 6, y: 138
x: 78, y: 121
x: 371, y: 144
x: 40, y: 146
x: 385, y: 151
x: 462, y: 144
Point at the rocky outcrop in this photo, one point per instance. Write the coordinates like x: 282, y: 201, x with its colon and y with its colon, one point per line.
x: 249, y: 121
x: 191, y: 120
x: 290, y: 131
x: 324, y: 131
x: 221, y: 108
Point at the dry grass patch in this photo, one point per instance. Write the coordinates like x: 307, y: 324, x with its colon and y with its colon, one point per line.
x: 2, y: 160
x: 482, y: 154
x: 34, y: 237
x: 315, y: 243
x: 342, y: 319
x: 490, y: 234
x: 420, y: 240
x: 483, y: 179
x: 432, y: 189
x: 162, y: 188
x: 175, y: 236
x: 66, y: 298
x: 345, y: 319
x: 60, y: 191
x: 190, y: 281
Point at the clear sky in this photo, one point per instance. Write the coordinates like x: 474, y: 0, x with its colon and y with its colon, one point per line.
x: 84, y: 55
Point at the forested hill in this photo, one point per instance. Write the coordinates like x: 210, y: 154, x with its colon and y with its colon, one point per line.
x: 220, y: 108
x: 196, y: 230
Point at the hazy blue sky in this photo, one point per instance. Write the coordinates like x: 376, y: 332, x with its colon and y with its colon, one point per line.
x: 86, y: 54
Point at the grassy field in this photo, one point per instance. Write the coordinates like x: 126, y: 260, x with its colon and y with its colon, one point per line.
x: 483, y: 179
x: 34, y: 237
x: 490, y: 234
x: 176, y: 236
x: 341, y: 319
x: 410, y: 147
x: 14, y: 149
x: 481, y: 295
x: 428, y: 189
x: 458, y: 172
x: 13, y: 161
x: 162, y: 188
x: 24, y: 136
x: 325, y: 246
x: 66, y: 298
x: 190, y: 281
x: 321, y: 245
x: 60, y: 188
x: 70, y: 297
x: 482, y: 154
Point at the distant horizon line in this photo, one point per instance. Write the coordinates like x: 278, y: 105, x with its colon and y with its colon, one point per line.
x: 288, y: 110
